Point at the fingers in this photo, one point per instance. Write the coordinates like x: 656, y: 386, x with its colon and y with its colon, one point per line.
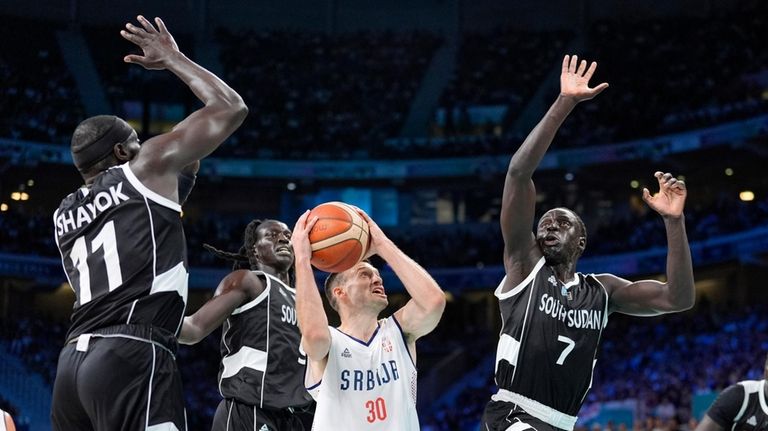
x: 133, y: 59
x: 301, y: 222
x: 599, y: 89
x: 646, y: 194
x: 311, y: 223
x: 582, y: 68
x: 146, y: 24
x: 591, y: 71
x: 566, y: 62
x: 572, y: 65
x: 161, y: 25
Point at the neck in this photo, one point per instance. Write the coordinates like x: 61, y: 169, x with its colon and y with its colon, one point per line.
x: 283, y: 276
x: 565, y: 271
x: 360, y: 325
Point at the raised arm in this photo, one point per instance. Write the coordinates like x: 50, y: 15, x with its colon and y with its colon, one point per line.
x: 519, y: 198
x: 164, y: 156
x: 234, y: 290
x: 651, y: 297
x: 420, y: 315
x: 313, y: 323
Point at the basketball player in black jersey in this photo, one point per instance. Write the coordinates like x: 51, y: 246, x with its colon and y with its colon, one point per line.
x: 124, y: 253
x: 552, y: 316
x: 742, y: 406
x: 261, y: 376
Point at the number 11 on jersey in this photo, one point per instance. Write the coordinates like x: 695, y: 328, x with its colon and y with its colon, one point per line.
x: 79, y: 254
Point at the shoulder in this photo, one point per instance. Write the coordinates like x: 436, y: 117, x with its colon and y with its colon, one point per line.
x: 610, y: 281
x: 242, y: 280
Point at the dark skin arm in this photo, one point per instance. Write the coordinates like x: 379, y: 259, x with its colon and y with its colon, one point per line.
x: 651, y: 297
x: 519, y: 199
x: 236, y: 289
x: 163, y: 157
x: 707, y: 424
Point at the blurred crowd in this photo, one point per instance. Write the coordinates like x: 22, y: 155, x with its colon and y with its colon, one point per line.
x: 434, y: 245
x: 329, y: 96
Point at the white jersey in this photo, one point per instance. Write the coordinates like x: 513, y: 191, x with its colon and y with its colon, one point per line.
x: 2, y: 420
x: 367, y: 386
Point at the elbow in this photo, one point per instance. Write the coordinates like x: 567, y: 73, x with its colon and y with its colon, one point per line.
x: 238, y: 109
x: 436, y: 304
x: 314, y: 337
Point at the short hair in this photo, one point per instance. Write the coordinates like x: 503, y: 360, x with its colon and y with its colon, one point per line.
x: 94, y: 139
x: 333, y: 280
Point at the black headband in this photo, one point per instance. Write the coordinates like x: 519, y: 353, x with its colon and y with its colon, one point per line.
x: 90, y: 154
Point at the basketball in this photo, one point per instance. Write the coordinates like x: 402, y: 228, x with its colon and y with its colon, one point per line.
x: 339, y: 238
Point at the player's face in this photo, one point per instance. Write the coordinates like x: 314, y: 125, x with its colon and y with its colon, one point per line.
x: 559, y: 236
x: 273, y: 245
x: 365, y: 288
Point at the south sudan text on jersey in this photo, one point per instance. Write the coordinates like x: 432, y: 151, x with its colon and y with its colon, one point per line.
x: 574, y: 318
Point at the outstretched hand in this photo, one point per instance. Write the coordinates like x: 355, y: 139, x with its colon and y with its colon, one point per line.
x: 300, y: 236
x: 574, y: 82
x: 156, y: 43
x: 670, y: 200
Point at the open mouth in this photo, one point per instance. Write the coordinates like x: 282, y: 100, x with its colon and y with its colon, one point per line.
x: 551, y: 240
x: 379, y: 291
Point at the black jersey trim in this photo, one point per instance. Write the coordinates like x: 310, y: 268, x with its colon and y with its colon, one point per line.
x: 146, y: 192
x: 368, y: 344
x: 519, y: 288
x: 405, y: 342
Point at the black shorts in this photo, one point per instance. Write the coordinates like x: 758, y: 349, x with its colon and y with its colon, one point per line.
x: 119, y: 383
x: 235, y: 416
x: 503, y: 416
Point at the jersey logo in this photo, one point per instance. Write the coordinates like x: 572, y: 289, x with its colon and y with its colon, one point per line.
x: 346, y: 354
x: 386, y: 345
x: 552, y: 280
x: 264, y: 428
x: 752, y: 421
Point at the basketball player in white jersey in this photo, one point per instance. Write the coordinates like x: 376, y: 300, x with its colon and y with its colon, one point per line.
x: 6, y: 424
x: 363, y: 373
x: 553, y: 316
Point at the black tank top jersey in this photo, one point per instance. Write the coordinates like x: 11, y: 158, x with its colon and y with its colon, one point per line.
x: 549, y: 337
x: 124, y: 253
x: 741, y: 406
x: 262, y: 364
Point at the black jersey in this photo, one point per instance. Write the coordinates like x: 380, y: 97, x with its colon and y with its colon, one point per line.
x: 124, y: 253
x: 741, y: 406
x: 262, y: 364
x: 549, y: 337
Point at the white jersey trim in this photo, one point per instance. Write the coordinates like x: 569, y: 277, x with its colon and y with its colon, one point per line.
x: 259, y: 299
x: 173, y: 280
x: 519, y: 288
x: 536, y: 409
x: 144, y: 190
x: 246, y: 357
